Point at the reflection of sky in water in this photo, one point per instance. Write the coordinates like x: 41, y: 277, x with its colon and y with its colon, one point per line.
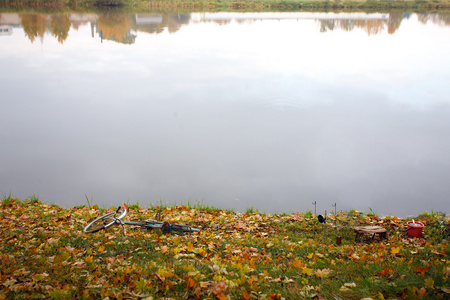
x: 272, y: 114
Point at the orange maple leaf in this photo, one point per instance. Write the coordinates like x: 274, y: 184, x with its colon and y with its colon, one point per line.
x: 190, y: 282
x: 221, y: 297
x: 245, y: 295
x: 298, y: 264
x: 385, y: 272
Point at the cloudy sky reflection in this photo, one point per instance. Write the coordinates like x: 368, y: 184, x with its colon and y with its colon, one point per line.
x: 267, y: 113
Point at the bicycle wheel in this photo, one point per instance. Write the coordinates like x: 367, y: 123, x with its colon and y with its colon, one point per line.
x: 100, y: 223
x: 106, y: 220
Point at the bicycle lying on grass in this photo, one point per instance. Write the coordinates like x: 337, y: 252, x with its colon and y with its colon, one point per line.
x: 110, y: 219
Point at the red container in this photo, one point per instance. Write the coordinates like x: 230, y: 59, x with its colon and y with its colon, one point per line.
x: 415, y: 229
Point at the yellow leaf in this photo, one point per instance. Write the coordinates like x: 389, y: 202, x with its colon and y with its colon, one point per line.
x: 193, y: 273
x: 205, y: 284
x: 395, y: 250
x: 101, y: 249
x: 307, y: 271
x: 218, y: 277
x: 381, y: 296
x: 310, y: 255
x: 9, y: 283
x: 164, y: 273
x: 201, y: 251
x: 189, y: 247
x: 429, y: 282
x: 39, y: 277
x: 89, y: 259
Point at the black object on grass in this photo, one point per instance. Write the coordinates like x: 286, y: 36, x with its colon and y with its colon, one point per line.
x: 321, y: 219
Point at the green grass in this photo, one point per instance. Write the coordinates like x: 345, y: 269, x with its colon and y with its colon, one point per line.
x: 371, y: 213
x: 89, y: 202
x: 251, y: 255
x: 33, y: 199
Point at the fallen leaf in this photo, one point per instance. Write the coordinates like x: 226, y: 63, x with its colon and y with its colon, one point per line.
x: 219, y: 288
x: 205, y: 284
x: 429, y: 282
x: 190, y: 282
x: 395, y: 250
x: 39, y: 277
x: 9, y: 283
x: 307, y: 271
x: 322, y: 273
x: 245, y: 295
x: 164, y: 249
x: 422, y: 292
x: 298, y: 264
x: 350, y: 285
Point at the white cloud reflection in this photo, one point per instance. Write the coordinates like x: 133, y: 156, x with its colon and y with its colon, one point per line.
x: 272, y: 114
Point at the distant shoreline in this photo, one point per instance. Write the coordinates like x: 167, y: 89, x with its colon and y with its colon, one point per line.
x: 228, y: 5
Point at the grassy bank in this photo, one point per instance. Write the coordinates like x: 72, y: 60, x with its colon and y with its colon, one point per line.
x: 45, y: 254
x: 236, y: 5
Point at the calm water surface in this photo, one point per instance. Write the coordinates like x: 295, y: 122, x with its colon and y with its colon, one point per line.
x: 266, y: 110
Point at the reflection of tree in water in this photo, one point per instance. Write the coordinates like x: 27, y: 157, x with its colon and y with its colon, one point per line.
x: 172, y: 22
x: 34, y: 26
x: 369, y: 26
x: 60, y: 26
x: 438, y: 19
x: 37, y: 25
x: 346, y: 25
x: 373, y: 27
x: 115, y: 26
x: 326, y: 25
x: 394, y: 22
x: 377, y: 26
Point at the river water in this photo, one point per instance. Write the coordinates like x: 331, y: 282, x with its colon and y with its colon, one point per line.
x: 270, y: 111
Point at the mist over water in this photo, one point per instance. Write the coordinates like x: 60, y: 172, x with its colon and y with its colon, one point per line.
x: 237, y: 110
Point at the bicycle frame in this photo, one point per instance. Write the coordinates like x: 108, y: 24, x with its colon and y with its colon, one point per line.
x: 165, y: 227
